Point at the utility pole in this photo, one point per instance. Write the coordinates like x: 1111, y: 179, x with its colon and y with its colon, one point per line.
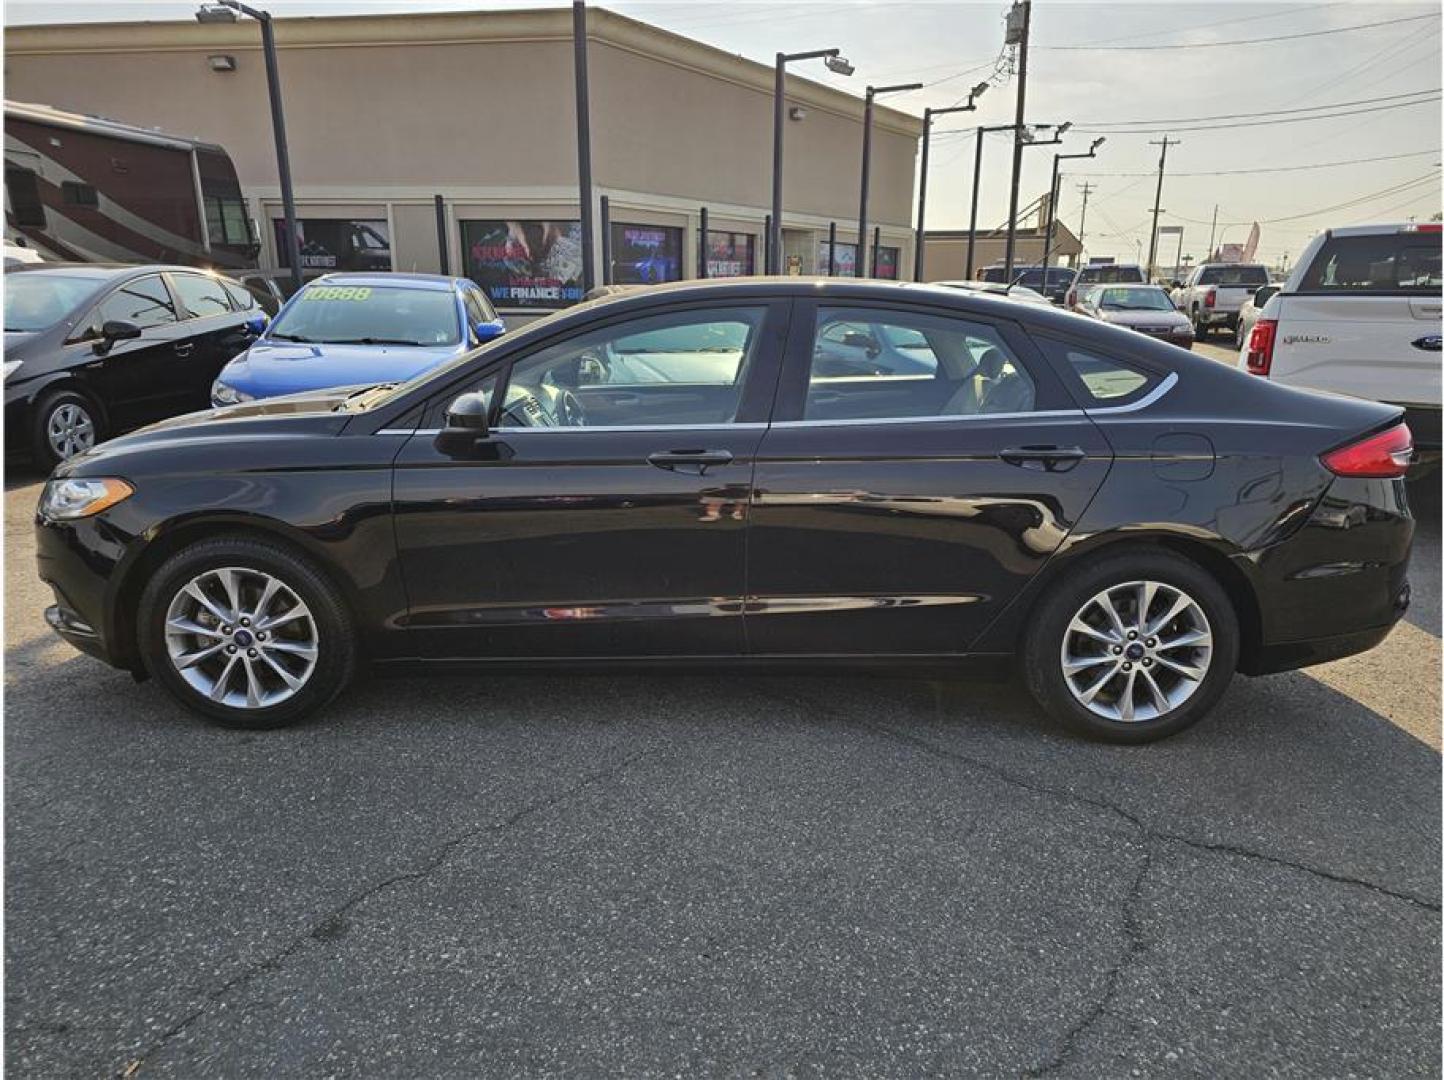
x: 1165, y: 142
x: 1019, y: 23
x: 1087, y: 189
x: 1211, y: 230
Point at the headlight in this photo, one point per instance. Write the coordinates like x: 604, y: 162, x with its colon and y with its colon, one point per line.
x: 10, y: 368
x: 226, y: 394
x: 67, y: 500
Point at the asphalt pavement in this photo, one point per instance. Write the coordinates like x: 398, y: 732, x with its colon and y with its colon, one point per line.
x: 645, y: 875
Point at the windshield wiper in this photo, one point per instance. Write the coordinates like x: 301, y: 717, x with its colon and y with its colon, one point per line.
x: 365, y: 391
x: 371, y: 341
x: 289, y: 337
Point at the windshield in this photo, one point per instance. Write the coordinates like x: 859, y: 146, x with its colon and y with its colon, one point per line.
x: 369, y: 315
x: 34, y: 301
x: 1124, y: 299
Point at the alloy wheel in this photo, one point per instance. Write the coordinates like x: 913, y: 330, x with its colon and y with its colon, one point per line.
x: 241, y: 637
x: 1136, y: 651
x: 69, y: 430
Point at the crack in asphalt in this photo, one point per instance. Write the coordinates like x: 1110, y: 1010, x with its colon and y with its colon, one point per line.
x: 1111, y: 979
x: 320, y: 930
x: 1150, y: 837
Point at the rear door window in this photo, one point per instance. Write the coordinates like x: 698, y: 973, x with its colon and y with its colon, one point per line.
x: 1392, y: 263
x: 201, y: 296
x: 1234, y: 275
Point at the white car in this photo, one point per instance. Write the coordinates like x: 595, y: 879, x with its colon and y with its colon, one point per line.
x: 1360, y: 315
x: 19, y: 254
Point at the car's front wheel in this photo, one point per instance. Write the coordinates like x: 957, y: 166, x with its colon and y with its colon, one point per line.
x: 246, y: 632
x: 66, y: 423
x: 1134, y: 647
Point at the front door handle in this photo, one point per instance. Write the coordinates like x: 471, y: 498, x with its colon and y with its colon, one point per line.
x: 1429, y: 343
x: 183, y: 348
x: 1048, y: 458
x: 689, y: 461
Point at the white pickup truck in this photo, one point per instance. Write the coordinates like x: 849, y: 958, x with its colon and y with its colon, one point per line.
x: 1213, y: 293
x: 1360, y: 315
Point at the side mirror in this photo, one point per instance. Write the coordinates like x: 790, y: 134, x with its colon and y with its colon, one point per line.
x: 465, y: 426
x: 488, y: 331
x: 114, y: 330
x: 256, y: 325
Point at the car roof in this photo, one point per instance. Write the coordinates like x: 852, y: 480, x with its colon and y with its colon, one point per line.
x: 437, y: 282
x: 832, y: 290
x: 101, y: 270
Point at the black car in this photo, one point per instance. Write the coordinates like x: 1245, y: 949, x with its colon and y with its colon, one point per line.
x: 92, y: 350
x: 668, y: 477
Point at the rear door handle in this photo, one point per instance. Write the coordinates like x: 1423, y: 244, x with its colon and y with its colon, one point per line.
x: 1049, y: 458
x: 183, y: 348
x: 1429, y: 342
x: 689, y: 461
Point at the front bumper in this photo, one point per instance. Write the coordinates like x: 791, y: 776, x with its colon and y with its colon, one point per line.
x: 81, y: 561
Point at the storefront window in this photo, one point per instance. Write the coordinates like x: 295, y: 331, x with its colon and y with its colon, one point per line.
x: 337, y: 244
x: 525, y: 264
x: 730, y: 254
x: 645, y: 254
x: 845, y: 264
x: 885, y: 265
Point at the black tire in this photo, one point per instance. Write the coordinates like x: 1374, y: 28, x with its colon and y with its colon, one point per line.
x: 1200, y: 328
x: 336, y: 658
x: 45, y: 455
x: 1238, y: 334
x: 1043, y: 645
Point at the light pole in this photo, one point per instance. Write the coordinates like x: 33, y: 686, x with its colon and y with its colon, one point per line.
x: 928, y: 114
x: 1053, y: 200
x: 1020, y: 22
x: 224, y: 11
x: 834, y: 61
x: 977, y: 182
x: 872, y: 92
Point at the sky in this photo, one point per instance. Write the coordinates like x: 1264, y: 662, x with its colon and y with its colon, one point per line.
x: 1359, y: 92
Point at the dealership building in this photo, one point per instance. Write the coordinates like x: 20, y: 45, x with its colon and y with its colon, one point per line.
x: 386, y: 113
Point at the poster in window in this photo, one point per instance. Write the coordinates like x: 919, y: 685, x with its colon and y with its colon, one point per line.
x: 886, y: 263
x: 846, y: 263
x: 730, y: 254
x: 525, y: 264
x: 645, y: 254
x: 337, y: 244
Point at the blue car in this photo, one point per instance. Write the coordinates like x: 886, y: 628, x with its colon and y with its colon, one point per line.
x: 360, y: 329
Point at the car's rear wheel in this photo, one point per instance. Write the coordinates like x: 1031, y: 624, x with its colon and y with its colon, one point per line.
x: 1200, y: 328
x: 1238, y: 335
x: 1134, y: 647
x: 66, y: 423
x: 246, y: 632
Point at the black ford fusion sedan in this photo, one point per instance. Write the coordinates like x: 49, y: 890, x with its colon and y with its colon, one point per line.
x: 679, y: 476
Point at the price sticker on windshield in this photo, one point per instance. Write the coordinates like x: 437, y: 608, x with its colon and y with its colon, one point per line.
x: 337, y: 292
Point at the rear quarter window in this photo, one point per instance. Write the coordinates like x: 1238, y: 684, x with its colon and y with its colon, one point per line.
x: 1098, y: 380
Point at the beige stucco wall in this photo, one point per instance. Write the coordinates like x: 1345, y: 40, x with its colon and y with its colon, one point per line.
x: 946, y: 257
x: 386, y: 111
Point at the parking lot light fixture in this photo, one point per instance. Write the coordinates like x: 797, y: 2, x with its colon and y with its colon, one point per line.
x: 226, y: 11
x: 1053, y: 197
x: 928, y: 114
x: 865, y: 269
x: 835, y: 63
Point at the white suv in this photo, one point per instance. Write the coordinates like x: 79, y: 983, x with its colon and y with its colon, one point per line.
x: 1360, y: 315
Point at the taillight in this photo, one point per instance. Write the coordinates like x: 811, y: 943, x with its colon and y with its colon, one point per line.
x: 1210, y: 298
x: 1261, y: 347
x: 1386, y: 454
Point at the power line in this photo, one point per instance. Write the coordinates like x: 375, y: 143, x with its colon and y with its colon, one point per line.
x: 1392, y: 189
x: 1240, y: 41
x: 1279, y: 168
x: 1292, y: 11
x: 1254, y: 123
x: 1265, y: 113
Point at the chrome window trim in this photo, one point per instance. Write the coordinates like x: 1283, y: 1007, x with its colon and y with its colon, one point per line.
x: 1151, y: 398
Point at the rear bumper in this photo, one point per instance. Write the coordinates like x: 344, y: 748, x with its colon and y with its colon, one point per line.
x: 1337, y: 585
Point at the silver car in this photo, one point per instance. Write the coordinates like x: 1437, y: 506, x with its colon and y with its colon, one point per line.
x: 1249, y: 313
